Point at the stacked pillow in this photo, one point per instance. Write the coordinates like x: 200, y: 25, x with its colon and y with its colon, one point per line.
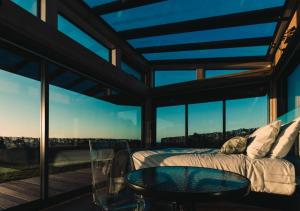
x: 285, y: 139
x: 262, y: 140
x: 270, y: 140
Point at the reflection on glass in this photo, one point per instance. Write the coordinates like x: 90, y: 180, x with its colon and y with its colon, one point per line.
x: 243, y: 116
x: 170, y: 127
x: 205, y: 122
x: 19, y: 130
x: 81, y: 37
x: 74, y: 120
x: 216, y: 73
x: 173, y: 76
x: 29, y: 5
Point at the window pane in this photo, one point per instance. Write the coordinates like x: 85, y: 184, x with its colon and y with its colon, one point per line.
x: 212, y: 53
x: 170, y: 127
x: 131, y: 71
x: 19, y: 130
x: 205, y: 122
x: 94, y: 3
x: 173, y: 77
x: 29, y: 5
x: 172, y: 11
x: 216, y: 73
x: 230, y: 33
x: 243, y: 116
x: 293, y: 95
x: 82, y: 38
x: 75, y: 119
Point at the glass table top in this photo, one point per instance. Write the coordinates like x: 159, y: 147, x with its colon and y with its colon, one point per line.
x: 176, y: 179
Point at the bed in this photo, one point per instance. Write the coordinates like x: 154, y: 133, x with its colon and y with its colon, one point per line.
x: 268, y: 175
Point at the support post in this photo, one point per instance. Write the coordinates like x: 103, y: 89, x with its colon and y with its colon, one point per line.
x: 44, y: 132
x: 273, y: 101
x: 200, y: 73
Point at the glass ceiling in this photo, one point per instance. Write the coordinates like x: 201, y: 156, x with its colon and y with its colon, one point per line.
x: 212, y: 53
x: 177, y: 11
x: 230, y: 33
x: 173, y: 11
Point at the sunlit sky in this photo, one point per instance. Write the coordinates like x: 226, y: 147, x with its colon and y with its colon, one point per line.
x: 71, y: 115
x: 207, y: 117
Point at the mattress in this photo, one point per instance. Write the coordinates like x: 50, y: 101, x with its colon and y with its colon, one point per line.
x: 266, y: 175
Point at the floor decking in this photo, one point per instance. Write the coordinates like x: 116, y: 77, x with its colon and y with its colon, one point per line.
x: 22, y: 191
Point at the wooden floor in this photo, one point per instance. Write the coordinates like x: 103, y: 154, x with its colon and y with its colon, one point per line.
x: 27, y: 190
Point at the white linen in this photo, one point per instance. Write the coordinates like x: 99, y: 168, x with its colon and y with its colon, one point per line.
x: 285, y: 139
x: 266, y: 174
x: 263, y: 139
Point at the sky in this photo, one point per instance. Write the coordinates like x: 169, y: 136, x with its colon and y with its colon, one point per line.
x: 71, y: 115
x: 208, y: 117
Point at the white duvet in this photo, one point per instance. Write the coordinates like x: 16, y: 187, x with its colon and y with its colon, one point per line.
x: 266, y: 174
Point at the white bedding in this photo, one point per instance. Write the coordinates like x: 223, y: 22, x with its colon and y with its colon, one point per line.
x: 266, y: 174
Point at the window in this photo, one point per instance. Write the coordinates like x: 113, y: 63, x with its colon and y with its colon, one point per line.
x: 212, y: 53
x: 131, y: 71
x: 293, y: 96
x: 173, y: 11
x: 230, y: 33
x: 170, y: 129
x: 82, y: 38
x: 217, y: 73
x: 19, y: 129
x: 243, y: 116
x: 205, y: 124
x: 29, y: 5
x: 74, y: 119
x: 173, y: 76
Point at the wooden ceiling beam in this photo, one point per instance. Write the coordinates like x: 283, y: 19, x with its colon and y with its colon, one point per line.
x: 208, y: 45
x: 287, y: 14
x: 216, y: 61
x: 239, y: 19
x: 226, y: 87
x: 115, y: 6
x: 215, y: 66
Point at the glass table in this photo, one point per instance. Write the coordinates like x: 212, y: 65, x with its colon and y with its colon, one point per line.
x: 187, y: 185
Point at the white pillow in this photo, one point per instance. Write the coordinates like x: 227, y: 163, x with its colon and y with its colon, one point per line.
x: 263, y: 138
x: 285, y: 139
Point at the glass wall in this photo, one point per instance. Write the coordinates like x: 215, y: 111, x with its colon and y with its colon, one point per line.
x: 75, y: 33
x: 170, y: 125
x: 293, y: 87
x: 243, y: 116
x: 173, y: 76
x: 75, y: 119
x: 19, y: 129
x: 205, y: 124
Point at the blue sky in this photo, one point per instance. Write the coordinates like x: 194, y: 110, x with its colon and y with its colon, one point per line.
x: 207, y: 117
x: 71, y: 115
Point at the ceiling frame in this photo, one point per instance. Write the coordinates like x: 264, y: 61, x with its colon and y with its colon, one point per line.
x: 238, y: 19
x: 122, y: 5
x: 208, y: 45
